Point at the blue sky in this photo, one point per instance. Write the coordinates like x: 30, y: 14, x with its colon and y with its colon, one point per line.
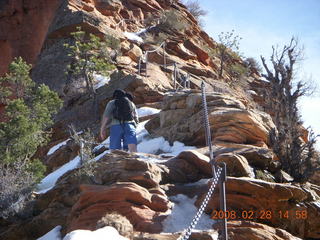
x: 263, y: 23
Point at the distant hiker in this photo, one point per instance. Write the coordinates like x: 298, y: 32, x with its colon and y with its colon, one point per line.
x: 123, y: 116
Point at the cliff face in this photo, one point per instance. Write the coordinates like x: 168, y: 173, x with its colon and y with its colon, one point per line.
x: 23, y: 29
x: 143, y: 187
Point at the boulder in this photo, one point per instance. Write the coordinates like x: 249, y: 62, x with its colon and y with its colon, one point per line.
x: 229, y: 120
x: 289, y: 207
x: 243, y: 230
x: 61, y: 156
x: 188, y: 166
x: 237, y: 165
x: 134, y: 202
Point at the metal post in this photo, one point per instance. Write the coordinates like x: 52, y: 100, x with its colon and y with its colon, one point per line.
x: 146, y: 64
x: 81, y: 152
x: 223, y: 204
x: 188, y: 79
x: 164, y: 55
x: 175, y: 75
x: 139, y: 66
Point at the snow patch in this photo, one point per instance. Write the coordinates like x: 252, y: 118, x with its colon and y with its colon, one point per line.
x: 146, y: 111
x: 54, y: 234
x: 100, y: 80
x: 143, y: 30
x: 182, y: 215
x: 160, y: 146
x: 56, y: 147
x: 99, y: 234
x: 50, y: 180
x: 133, y: 37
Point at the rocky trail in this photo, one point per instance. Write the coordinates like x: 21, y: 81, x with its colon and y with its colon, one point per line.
x: 160, y: 188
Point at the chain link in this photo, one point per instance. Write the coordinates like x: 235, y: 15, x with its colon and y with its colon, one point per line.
x: 186, y: 234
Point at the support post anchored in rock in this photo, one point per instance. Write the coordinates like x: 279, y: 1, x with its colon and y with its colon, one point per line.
x: 81, y: 152
x: 215, y: 166
x: 222, y: 196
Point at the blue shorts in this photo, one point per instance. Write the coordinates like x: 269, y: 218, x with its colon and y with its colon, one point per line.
x: 125, y: 132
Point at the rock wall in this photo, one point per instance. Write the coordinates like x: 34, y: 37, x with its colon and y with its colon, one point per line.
x: 23, y: 29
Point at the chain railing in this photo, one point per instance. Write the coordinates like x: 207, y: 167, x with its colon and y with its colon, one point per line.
x: 218, y: 172
x: 186, y: 234
x: 176, y: 72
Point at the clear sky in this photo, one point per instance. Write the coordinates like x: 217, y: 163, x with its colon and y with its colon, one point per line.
x: 263, y: 23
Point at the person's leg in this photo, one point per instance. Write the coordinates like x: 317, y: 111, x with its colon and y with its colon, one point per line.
x: 116, y: 134
x: 125, y: 144
x: 130, y: 137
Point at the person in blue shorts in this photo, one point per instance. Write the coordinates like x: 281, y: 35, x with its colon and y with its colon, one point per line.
x: 122, y: 113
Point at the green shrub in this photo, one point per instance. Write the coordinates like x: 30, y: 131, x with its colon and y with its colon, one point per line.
x: 28, y: 112
x: 171, y: 21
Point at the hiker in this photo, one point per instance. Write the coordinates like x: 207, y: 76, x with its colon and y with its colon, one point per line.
x: 123, y: 116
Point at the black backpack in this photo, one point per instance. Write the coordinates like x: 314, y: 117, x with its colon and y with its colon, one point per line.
x: 122, y: 110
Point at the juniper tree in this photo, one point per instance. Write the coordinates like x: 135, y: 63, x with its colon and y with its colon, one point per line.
x: 28, y: 112
x: 90, y: 55
x: 282, y: 97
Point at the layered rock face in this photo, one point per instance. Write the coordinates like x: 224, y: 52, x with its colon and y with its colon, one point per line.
x: 23, y: 29
x: 140, y: 190
x: 140, y: 186
x: 230, y: 120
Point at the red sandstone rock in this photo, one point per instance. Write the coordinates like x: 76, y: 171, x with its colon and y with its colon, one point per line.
x: 128, y: 199
x: 23, y: 28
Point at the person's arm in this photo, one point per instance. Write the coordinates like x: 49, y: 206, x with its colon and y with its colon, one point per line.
x: 103, y: 128
x: 106, y: 119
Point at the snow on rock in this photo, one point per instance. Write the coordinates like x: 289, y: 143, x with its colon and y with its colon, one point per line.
x: 143, y: 30
x: 54, y: 234
x: 145, y: 111
x: 182, y: 215
x: 146, y: 144
x: 100, y: 80
x: 99, y: 234
x: 56, y: 147
x: 49, y: 181
x: 160, y: 146
x: 133, y: 37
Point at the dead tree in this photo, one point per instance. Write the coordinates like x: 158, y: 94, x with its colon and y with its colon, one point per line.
x: 282, y: 98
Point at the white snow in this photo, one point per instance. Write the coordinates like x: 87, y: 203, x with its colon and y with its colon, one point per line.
x: 143, y: 30
x: 317, y: 203
x: 49, y: 181
x: 56, y: 147
x: 145, y: 111
x: 146, y: 144
x: 100, y: 80
x: 161, y: 146
x: 182, y: 214
x: 99, y: 234
x: 54, y: 234
x: 133, y: 37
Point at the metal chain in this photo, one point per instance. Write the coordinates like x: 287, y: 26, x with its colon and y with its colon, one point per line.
x: 206, y: 120
x: 186, y: 234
